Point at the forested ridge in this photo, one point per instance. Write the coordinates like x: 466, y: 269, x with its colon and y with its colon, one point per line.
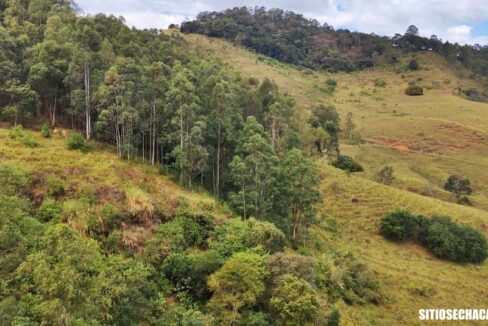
x: 295, y: 39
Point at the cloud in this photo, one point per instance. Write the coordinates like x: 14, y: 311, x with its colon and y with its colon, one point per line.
x: 449, y: 20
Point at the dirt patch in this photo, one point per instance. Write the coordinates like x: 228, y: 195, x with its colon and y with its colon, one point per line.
x: 463, y: 137
x: 108, y: 194
x: 392, y: 143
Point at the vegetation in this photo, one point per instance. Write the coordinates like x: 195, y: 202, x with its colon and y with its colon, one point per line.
x: 440, y: 235
x: 347, y: 163
x: 459, y: 186
x: 414, y: 90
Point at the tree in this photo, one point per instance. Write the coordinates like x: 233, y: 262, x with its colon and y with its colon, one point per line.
x: 237, y: 285
x: 350, y: 126
x: 386, y: 175
x: 21, y: 99
x: 296, y: 190
x: 412, y: 30
x: 183, y: 100
x: 460, y: 186
x: 252, y: 170
x: 294, y: 302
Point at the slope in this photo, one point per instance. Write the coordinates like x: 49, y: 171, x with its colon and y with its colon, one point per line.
x: 425, y: 139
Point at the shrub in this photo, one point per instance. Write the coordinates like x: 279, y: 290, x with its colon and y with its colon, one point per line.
x: 403, y: 226
x: 12, y: 179
x: 459, y: 186
x: 23, y: 137
x: 385, y: 176
x: 236, y: 236
x: 344, y: 276
x: 331, y: 82
x: 294, y: 301
x: 334, y: 318
x: 444, y: 238
x: 450, y: 241
x: 414, y: 90
x: 347, y: 163
x: 55, y: 186
x: 77, y: 141
x: 49, y: 210
x: 379, y: 82
x: 46, y: 131
x: 167, y: 239
x: 413, y: 64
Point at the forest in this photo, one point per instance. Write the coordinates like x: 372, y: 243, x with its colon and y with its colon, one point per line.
x: 294, y: 39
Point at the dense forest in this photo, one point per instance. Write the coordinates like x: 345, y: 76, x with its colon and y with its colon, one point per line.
x: 156, y: 100
x: 292, y: 38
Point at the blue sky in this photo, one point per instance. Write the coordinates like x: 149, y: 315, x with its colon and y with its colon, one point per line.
x: 463, y: 21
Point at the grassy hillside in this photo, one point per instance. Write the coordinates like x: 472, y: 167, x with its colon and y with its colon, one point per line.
x: 425, y: 139
x: 103, y: 179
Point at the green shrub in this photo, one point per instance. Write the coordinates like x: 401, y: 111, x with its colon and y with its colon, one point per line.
x: 236, y: 236
x: 347, y: 163
x: 49, y: 210
x: 331, y: 82
x: 414, y: 90
x: 459, y: 186
x: 12, y: 179
x: 450, y: 241
x: 403, y: 226
x: 77, y: 141
x: 334, y: 318
x: 444, y: 238
x: 55, y: 186
x: 46, y: 131
x: 413, y: 65
x: 22, y: 136
x: 379, y: 82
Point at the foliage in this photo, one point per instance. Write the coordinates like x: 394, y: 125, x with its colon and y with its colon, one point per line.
x: 347, y: 163
x: 49, y: 210
x: 413, y: 64
x: 293, y: 301
x: 46, y: 131
x: 386, y: 175
x: 23, y: 137
x: 444, y: 238
x: 459, y: 186
x: 237, y: 236
x: 348, y: 278
x: 77, y: 141
x: 379, y: 82
x: 238, y: 284
x: 334, y: 318
x: 13, y: 179
x: 414, y: 90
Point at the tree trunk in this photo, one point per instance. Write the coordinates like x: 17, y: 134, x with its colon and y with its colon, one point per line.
x: 87, y: 101
x: 218, y: 162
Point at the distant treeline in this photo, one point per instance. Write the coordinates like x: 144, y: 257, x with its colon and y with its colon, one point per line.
x: 294, y: 39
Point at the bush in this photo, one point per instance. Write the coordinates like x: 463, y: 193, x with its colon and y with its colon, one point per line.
x: 76, y: 141
x: 236, y: 236
x: 459, y: 186
x: 386, y: 175
x: 46, y: 131
x: 334, y: 318
x: 444, y: 238
x: 403, y: 226
x: 20, y: 135
x: 49, y: 210
x: 347, y: 163
x: 450, y: 241
x: 413, y: 64
x: 12, y: 179
x: 414, y: 90
x: 379, y: 82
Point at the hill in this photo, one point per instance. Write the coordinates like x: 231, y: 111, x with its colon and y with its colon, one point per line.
x: 425, y: 139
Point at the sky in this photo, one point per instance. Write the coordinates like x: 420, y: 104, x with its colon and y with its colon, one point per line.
x: 462, y: 21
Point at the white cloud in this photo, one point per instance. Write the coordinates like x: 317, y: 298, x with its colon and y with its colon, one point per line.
x: 450, y: 20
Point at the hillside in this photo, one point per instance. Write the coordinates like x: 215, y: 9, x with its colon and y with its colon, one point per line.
x: 425, y: 139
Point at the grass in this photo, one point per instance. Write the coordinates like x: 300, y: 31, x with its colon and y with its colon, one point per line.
x: 425, y: 138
